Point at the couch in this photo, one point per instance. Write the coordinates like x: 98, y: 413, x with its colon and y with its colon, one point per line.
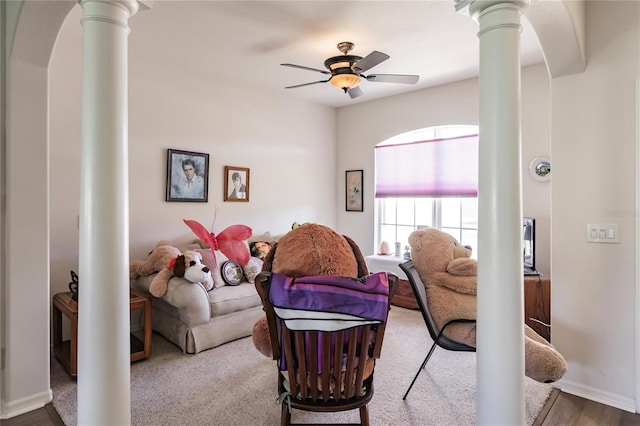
x: 196, y: 319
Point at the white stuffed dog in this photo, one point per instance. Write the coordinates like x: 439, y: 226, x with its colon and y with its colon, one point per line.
x: 189, y: 266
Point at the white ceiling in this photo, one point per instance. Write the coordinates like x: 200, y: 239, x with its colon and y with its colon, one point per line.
x: 246, y: 41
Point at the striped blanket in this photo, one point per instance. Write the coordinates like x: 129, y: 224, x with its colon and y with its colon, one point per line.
x: 329, y: 303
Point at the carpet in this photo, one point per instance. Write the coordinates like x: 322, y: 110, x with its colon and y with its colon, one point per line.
x: 234, y: 384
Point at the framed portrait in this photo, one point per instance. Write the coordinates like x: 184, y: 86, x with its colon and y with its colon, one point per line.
x: 353, y: 190
x: 236, y: 184
x: 187, y: 176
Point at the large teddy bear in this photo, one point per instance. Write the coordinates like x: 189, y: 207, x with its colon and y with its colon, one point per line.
x: 307, y: 250
x: 450, y: 278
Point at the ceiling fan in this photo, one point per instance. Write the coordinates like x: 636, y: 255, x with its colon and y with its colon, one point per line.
x: 346, y: 71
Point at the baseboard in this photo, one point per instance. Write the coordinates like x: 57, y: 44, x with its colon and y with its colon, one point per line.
x: 9, y: 409
x: 597, y: 395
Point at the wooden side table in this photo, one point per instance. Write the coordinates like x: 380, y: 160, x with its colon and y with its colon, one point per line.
x: 67, y: 351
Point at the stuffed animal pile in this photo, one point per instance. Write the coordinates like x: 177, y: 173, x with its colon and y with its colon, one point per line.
x: 450, y: 278
x: 307, y: 250
x: 168, y: 261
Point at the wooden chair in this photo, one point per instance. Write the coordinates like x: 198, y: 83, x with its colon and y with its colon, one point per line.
x: 436, y: 333
x: 307, y: 379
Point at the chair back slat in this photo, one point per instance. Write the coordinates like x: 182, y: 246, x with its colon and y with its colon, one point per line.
x: 301, y: 360
x: 363, y: 356
x: 326, y: 364
x: 333, y: 372
x: 313, y: 363
x: 287, y: 338
x: 351, y: 359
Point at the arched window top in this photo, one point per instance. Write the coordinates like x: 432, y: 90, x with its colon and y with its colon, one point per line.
x: 431, y: 133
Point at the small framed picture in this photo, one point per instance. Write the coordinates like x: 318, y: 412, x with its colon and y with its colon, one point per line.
x: 232, y: 273
x: 236, y: 183
x: 187, y: 176
x: 353, y: 190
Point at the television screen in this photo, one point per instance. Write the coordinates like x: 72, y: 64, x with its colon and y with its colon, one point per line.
x: 529, y: 241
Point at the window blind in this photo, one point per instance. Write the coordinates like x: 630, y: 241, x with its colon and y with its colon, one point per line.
x: 433, y: 168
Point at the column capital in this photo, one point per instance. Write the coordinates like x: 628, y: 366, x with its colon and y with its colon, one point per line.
x: 104, y: 7
x: 474, y: 7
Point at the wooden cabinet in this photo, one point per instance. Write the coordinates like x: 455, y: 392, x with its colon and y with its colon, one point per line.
x: 404, y: 296
x: 537, y: 304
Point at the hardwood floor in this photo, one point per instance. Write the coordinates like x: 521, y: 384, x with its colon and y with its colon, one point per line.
x: 561, y: 409
x: 46, y: 416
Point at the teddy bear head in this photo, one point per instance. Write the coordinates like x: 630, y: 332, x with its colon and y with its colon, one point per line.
x: 313, y: 249
x: 434, y: 251
x: 158, y: 259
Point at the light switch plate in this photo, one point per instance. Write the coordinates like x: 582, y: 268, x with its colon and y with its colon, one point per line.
x: 603, y: 233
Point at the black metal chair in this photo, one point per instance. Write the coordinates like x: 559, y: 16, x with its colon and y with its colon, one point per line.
x: 435, y: 332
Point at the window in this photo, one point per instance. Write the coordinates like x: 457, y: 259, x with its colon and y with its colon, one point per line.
x: 429, y: 191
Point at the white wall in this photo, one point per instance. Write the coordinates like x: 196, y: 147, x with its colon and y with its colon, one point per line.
x: 362, y: 126
x: 26, y: 303
x: 288, y: 145
x: 593, y: 142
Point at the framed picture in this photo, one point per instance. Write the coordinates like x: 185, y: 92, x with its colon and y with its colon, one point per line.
x: 353, y: 190
x: 187, y: 176
x: 236, y: 184
x: 231, y: 272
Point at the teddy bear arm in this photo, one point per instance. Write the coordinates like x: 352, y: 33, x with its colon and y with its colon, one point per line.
x: 464, y: 285
x: 463, y: 266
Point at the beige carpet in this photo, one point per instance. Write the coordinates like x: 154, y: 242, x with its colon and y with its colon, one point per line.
x: 235, y: 385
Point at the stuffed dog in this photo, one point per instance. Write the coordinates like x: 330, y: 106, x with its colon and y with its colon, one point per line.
x: 187, y: 265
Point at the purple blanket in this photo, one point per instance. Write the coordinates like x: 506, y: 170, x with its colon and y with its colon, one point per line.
x: 329, y: 303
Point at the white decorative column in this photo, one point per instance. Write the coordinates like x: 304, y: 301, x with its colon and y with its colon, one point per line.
x: 500, y: 332
x: 103, y: 331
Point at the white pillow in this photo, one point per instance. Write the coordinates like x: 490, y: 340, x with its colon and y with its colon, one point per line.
x: 214, y: 267
x: 252, y: 268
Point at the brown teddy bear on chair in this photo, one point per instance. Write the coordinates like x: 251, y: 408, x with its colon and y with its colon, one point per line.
x: 450, y: 278
x: 308, y: 250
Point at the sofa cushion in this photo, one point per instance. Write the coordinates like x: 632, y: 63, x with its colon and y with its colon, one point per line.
x: 229, y: 299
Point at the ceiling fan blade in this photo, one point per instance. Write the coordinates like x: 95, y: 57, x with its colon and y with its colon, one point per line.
x: 394, y: 78
x: 306, y: 84
x: 305, y: 68
x: 369, y: 61
x: 354, y: 92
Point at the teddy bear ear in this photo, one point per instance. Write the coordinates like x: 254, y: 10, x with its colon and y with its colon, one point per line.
x: 179, y: 267
x: 362, y: 264
x: 268, y: 259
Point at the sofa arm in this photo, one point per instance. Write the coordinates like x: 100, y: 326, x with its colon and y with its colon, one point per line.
x: 190, y: 299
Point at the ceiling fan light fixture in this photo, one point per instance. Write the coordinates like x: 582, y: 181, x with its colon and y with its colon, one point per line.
x: 345, y: 81
x: 336, y: 65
